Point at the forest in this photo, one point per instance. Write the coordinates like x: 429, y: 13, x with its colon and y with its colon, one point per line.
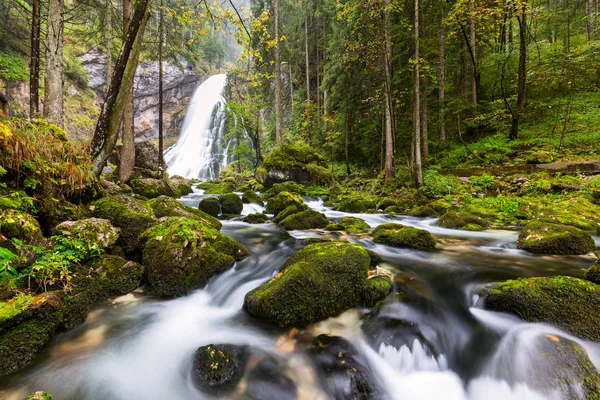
x: 310, y: 199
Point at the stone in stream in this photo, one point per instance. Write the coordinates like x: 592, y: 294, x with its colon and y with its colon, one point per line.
x: 217, y: 369
x: 386, y: 202
x: 319, y: 281
x: 267, y: 381
x: 462, y: 220
x: 593, y: 273
x: 298, y: 163
x: 290, y: 210
x: 164, y: 206
x: 568, y: 303
x: 343, y: 373
x: 352, y: 205
x: 398, y: 235
x: 548, y: 238
x: 281, y: 201
x: 257, y: 218
x: 353, y: 225
x: 231, y: 204
x: 250, y: 196
x: 151, y: 188
x: 182, y: 254
x: 211, y: 206
x: 308, y: 219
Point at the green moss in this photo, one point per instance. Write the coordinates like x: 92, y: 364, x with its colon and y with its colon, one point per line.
x: 293, y: 155
x: 334, y: 228
x: 288, y: 186
x: 40, y: 396
x: 210, y: 206
x: 257, y: 218
x: 394, y: 210
x: 150, y: 188
x: 13, y: 68
x: 308, y: 219
x: 291, y: 210
x: 97, y: 233
x: 352, y: 204
x: 164, y: 206
x: 424, y: 212
x: 547, y: 238
x: 231, y: 204
x: 316, y: 282
x: 459, y: 220
x: 180, y: 186
x: 569, y: 303
x: 182, y: 254
x: 376, y: 289
x: 353, y: 225
x: 217, y: 189
x: 384, y: 203
x: 592, y: 274
x: 127, y: 213
x: 52, y: 211
x: 398, y: 235
x: 19, y: 225
x: 250, y: 196
x: 281, y: 201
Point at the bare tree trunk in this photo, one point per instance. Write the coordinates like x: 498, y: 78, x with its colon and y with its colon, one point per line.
x: 53, y: 83
x: 417, y: 110
x: 161, y: 36
x: 473, y: 47
x: 34, y: 65
x: 522, y: 73
x: 107, y: 128
x: 291, y: 87
x: 307, y: 58
x: 389, y: 114
x: 442, y: 78
x: 277, y: 77
x: 109, y: 38
x: 127, y: 159
x: 424, y: 121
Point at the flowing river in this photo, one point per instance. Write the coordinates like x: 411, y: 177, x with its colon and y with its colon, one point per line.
x: 431, y: 339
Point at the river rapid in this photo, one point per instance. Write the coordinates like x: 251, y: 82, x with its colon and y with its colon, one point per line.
x: 431, y: 339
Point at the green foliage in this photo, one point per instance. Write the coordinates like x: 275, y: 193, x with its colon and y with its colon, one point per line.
x: 437, y: 185
x: 13, y: 68
x: 7, y: 271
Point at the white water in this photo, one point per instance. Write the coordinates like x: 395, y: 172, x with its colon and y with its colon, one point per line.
x: 201, y: 151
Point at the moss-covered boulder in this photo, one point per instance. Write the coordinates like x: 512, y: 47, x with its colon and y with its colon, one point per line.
x: 547, y: 238
x: 98, y: 233
x: 131, y: 215
x: 376, y: 289
x: 217, y: 189
x: 291, y: 210
x: 398, y: 235
x: 592, y: 274
x: 424, y: 212
x: 180, y: 185
x: 211, y: 206
x: 352, y: 205
x: 19, y: 225
x: 164, y: 206
x: 298, y: 163
x: 386, y: 202
x: 308, y: 219
x: 288, y: 186
x: 53, y: 211
x: 250, y: 196
x: 257, y: 218
x: 151, y: 188
x: 319, y: 281
x: 218, y: 368
x: 281, y: 201
x: 182, y: 254
x: 394, y: 210
x: 568, y: 303
x: 460, y: 220
x: 353, y: 225
x: 40, y: 396
x: 335, y: 228
x: 231, y: 204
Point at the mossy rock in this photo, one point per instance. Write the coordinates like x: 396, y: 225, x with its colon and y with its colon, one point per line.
x: 182, y: 254
x: 376, y: 289
x: 218, y: 368
x: 335, y: 228
x: 473, y: 228
x: 459, y: 220
x: 386, y: 202
x: 180, y: 185
x: 424, y: 212
x: 353, y: 225
x: 352, y: 205
x: 291, y: 210
x: 250, y: 196
x: 52, y: 212
x: 397, y: 235
x: 164, y: 206
x: 281, y: 201
x: 211, y: 206
x: 267, y: 380
x: 131, y: 215
x: 308, y: 219
x: 40, y: 396
x: 19, y: 225
x: 319, y: 281
x: 568, y: 303
x: 592, y: 274
x: 298, y: 163
x: 394, y: 210
x: 288, y: 186
x: 257, y: 218
x: 151, y: 188
x: 231, y: 204
x: 217, y: 189
x: 547, y: 238
x: 96, y: 232
x: 540, y: 157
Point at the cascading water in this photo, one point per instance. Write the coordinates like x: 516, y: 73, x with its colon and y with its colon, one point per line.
x: 201, y: 151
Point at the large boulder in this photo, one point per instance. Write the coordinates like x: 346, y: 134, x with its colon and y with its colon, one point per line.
x: 164, y: 206
x: 257, y: 218
x: 131, y: 215
x: 281, y: 201
x: 182, y: 254
x: 15, y: 227
x: 218, y: 368
x: 548, y: 238
x: 250, y: 196
x: 592, y: 274
x: 462, y: 220
x: 231, y: 204
x: 211, y: 206
x: 352, y: 205
x: 180, y: 185
x: 98, y: 233
x: 151, y: 188
x: 298, y: 163
x: 397, y: 235
x: 146, y: 155
x: 308, y: 219
x: 568, y: 303
x: 319, y: 281
x: 288, y: 186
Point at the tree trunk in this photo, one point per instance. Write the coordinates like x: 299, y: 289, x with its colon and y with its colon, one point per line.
x: 53, y: 83
x: 109, y: 38
x: 127, y: 159
x: 34, y: 65
x: 442, y: 78
x: 389, y: 113
x: 473, y: 47
x: 291, y: 87
x: 417, y: 110
x: 161, y: 38
x: 277, y: 77
x: 307, y: 58
x: 522, y: 73
x: 107, y: 128
x: 424, y: 121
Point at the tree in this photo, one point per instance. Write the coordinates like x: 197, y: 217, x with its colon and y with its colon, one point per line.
x: 53, y: 80
x: 442, y: 75
x: 127, y: 159
x: 34, y: 64
x: 389, y: 108
x: 522, y: 73
x: 277, y: 75
x: 161, y: 33
x: 417, y: 102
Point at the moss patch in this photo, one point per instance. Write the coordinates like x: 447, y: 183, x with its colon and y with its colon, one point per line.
x: 281, y: 201
x: 593, y: 273
x: 398, y: 235
x: 376, y: 289
x: 256, y: 218
x: 231, y: 204
x: 211, y: 206
x: 459, y: 220
x: 353, y: 225
x: 250, y: 196
x: 308, y: 219
x: 547, y: 238
x: 164, y: 206
x: 151, y: 188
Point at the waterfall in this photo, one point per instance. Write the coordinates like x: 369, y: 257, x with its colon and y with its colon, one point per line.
x: 201, y: 151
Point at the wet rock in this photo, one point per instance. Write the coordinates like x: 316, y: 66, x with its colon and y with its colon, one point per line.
x: 593, y: 273
x: 394, y: 210
x: 150, y: 188
x: 281, y: 201
x: 180, y: 185
x: 289, y: 211
x: 211, y: 206
x: 343, y: 372
x: 353, y: 225
x: 568, y: 303
x: 308, y: 219
x: 398, y: 235
x: 131, y: 215
x: 462, y: 220
x: 384, y: 203
x: 219, y: 368
x: 267, y: 381
x: 319, y: 281
x: 376, y: 289
x: 548, y: 238
x: 164, y: 206
x: 182, y: 254
x: 231, y: 204
x: 146, y: 155
x: 335, y: 228
x: 424, y: 212
x: 40, y: 396
x: 352, y: 205
x: 95, y: 231
x: 257, y: 218
x: 250, y: 196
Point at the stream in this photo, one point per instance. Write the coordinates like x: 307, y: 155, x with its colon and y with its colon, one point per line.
x: 443, y: 343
